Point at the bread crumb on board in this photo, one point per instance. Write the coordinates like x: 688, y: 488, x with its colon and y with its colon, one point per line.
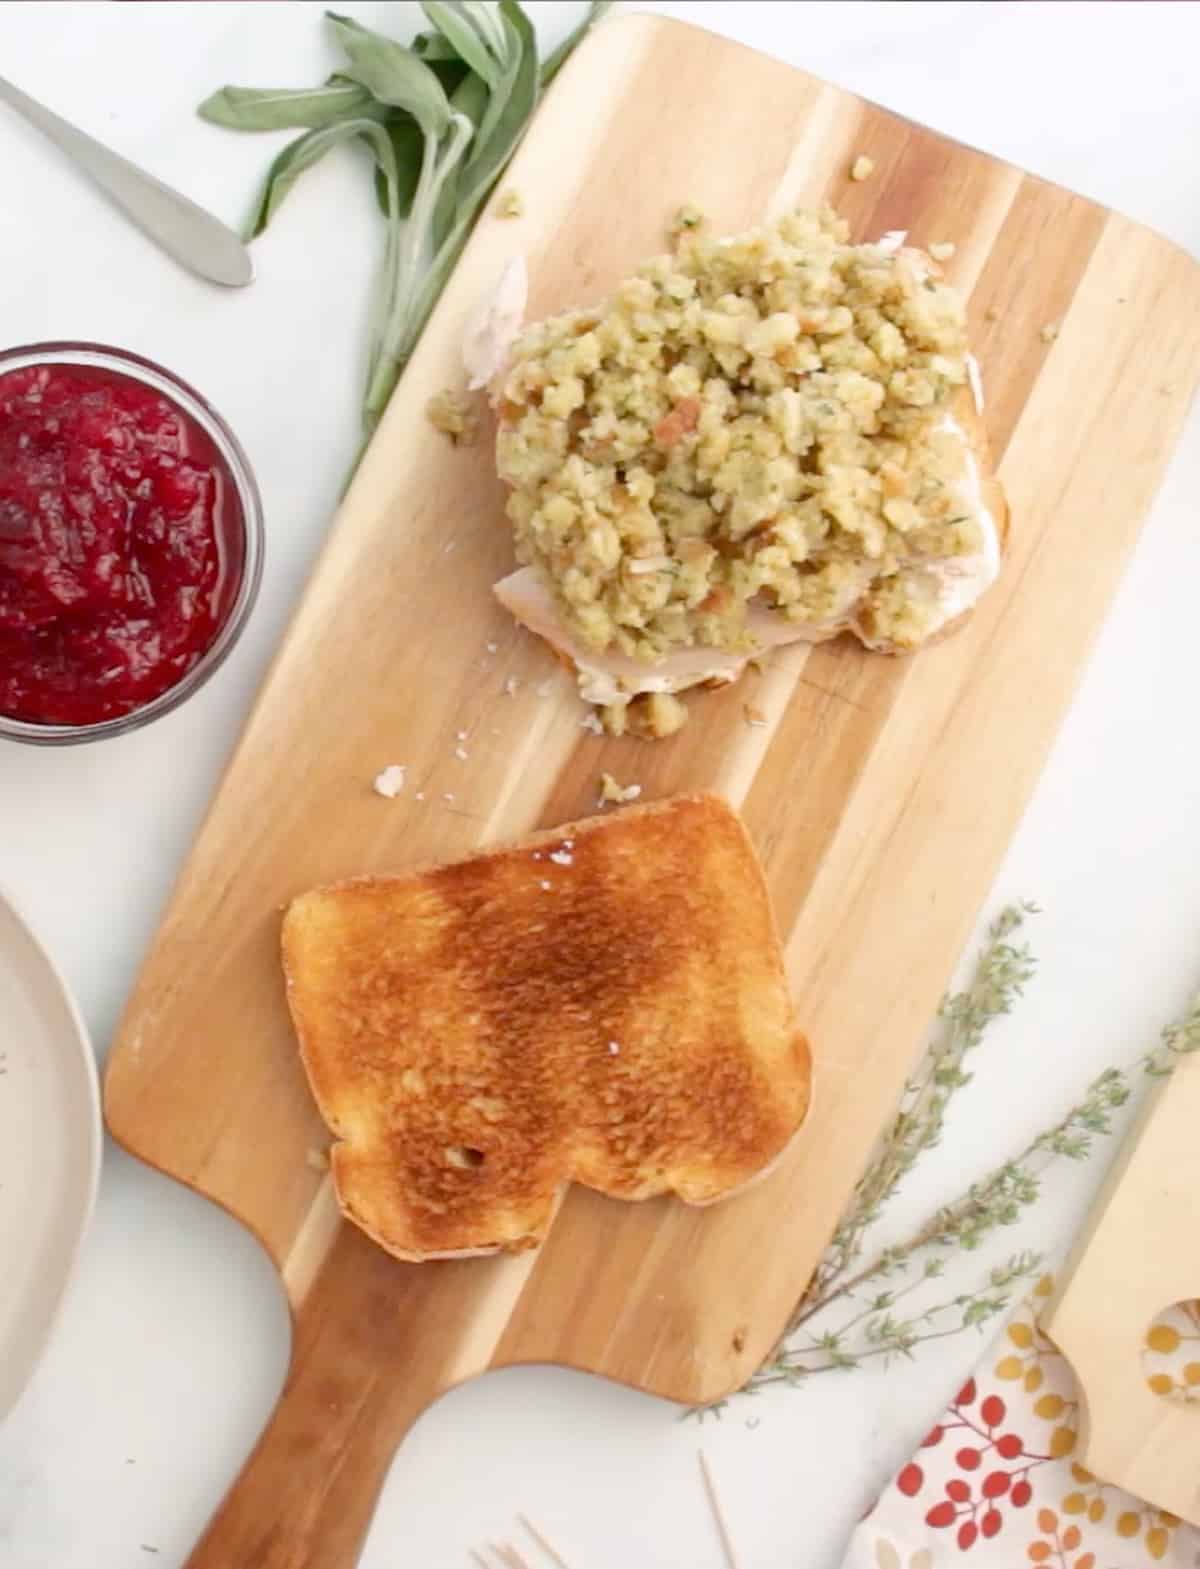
x: 942, y: 250
x: 754, y: 716
x: 686, y: 218
x: 510, y: 205
x: 612, y: 792
x: 1049, y: 332
x: 390, y: 781
x: 613, y: 717
x: 862, y: 168
x: 456, y: 415
x: 655, y: 715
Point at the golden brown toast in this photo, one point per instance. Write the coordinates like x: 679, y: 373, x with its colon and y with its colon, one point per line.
x: 604, y: 1004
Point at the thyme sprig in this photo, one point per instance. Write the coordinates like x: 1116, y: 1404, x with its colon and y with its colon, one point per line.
x: 1002, y: 973
x: 886, y: 1310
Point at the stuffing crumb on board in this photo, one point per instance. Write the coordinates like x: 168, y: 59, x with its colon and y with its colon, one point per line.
x: 611, y: 793
x: 390, y: 781
x: 456, y: 415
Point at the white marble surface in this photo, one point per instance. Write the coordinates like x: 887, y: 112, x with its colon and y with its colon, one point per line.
x: 174, y: 1341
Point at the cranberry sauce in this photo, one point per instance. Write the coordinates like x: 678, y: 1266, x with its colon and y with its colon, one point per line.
x: 121, y: 544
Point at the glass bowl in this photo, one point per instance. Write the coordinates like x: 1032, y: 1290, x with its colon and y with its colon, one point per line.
x: 249, y: 521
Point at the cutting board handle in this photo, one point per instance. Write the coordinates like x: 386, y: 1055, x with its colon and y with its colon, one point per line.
x: 305, y: 1497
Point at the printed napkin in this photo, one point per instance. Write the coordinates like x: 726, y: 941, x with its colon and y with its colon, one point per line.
x: 994, y: 1484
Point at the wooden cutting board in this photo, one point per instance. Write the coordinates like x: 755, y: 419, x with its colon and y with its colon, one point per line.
x: 1136, y: 1257
x: 881, y: 793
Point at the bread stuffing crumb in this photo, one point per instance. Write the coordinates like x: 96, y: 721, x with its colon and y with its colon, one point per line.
x: 611, y: 791
x: 862, y: 168
x: 686, y: 218
x: 447, y: 795
x: 942, y: 250
x: 317, y: 1159
x: 614, y: 1048
x: 510, y: 205
x: 754, y: 716
x: 655, y: 715
x: 455, y: 415
x: 390, y: 781
x: 492, y: 648
x: 1049, y: 332
x: 461, y: 753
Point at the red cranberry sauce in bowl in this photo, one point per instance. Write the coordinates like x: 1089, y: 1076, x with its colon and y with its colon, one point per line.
x: 130, y: 541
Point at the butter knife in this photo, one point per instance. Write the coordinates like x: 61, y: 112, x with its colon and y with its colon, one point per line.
x: 188, y: 234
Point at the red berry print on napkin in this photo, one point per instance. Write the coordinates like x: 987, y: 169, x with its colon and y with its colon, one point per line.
x: 996, y: 1466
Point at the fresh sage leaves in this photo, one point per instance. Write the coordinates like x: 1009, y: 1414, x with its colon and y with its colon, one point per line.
x: 279, y: 109
x: 407, y: 141
x: 309, y: 149
x: 441, y: 119
x: 393, y: 74
x: 459, y: 30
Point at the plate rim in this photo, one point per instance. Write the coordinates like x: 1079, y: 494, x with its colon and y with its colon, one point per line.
x: 86, y: 1057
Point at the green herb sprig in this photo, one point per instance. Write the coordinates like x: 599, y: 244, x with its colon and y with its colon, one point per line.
x: 868, y: 1325
x: 440, y: 118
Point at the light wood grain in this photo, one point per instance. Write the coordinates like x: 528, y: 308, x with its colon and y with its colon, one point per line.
x: 1137, y: 1256
x: 881, y: 794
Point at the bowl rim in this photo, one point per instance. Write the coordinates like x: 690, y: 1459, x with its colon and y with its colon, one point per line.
x: 193, y: 403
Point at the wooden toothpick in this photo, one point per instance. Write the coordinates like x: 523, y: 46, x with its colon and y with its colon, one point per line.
x: 715, y: 1505
x: 551, y: 1553
x: 509, y: 1556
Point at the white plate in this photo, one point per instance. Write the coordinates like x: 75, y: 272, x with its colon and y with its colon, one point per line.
x: 49, y: 1147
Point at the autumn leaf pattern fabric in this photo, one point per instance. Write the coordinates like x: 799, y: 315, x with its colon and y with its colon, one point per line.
x: 995, y: 1479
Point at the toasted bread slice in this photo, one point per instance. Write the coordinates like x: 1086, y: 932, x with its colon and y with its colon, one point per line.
x: 602, y: 1004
